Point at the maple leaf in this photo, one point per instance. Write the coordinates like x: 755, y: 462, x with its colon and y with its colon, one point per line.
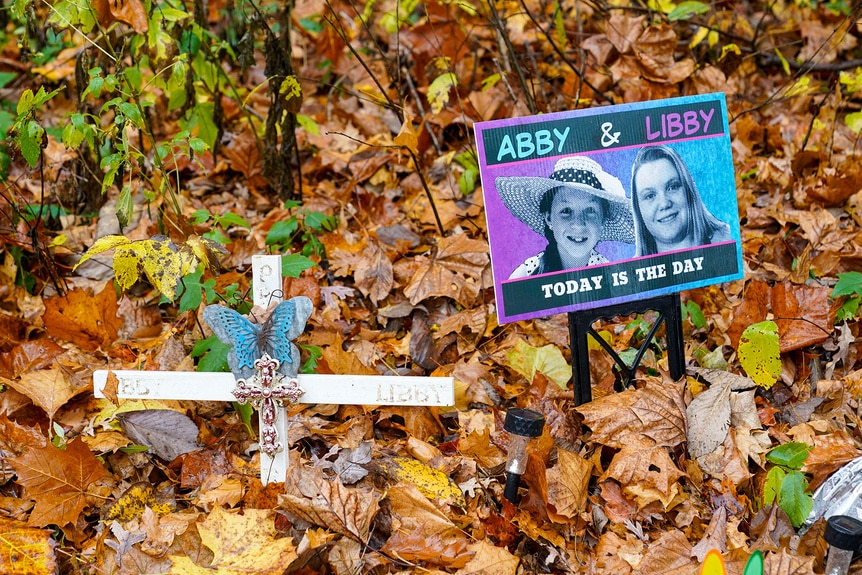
x: 241, y: 541
x: 25, y: 550
x: 57, y: 479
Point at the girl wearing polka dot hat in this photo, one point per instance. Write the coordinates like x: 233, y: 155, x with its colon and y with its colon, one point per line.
x: 575, y: 208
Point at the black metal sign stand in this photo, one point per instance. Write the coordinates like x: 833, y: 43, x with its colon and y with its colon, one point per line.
x: 581, y: 327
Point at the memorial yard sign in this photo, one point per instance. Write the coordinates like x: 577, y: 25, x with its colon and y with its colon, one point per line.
x: 600, y: 206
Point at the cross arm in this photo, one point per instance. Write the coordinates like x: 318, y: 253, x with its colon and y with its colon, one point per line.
x: 319, y: 388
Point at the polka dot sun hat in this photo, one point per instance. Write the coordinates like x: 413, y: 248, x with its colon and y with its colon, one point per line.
x: 523, y: 195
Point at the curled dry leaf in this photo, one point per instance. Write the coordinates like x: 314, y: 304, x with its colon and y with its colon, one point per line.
x: 654, y: 415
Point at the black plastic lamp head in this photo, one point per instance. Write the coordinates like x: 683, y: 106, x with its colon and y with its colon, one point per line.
x: 844, y: 535
x: 522, y: 425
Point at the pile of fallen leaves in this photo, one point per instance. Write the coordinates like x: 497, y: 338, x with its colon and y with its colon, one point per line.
x: 642, y: 481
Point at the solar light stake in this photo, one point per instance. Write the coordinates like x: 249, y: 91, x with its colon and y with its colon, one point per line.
x: 522, y: 425
x: 844, y: 535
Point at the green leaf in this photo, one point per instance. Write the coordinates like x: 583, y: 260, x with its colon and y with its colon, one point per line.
x: 6, y: 77
x: 854, y: 122
x: 214, y: 354
x: 691, y: 310
x: 192, y: 297
x: 319, y: 221
x: 848, y: 283
x: 308, y: 124
x: 438, y: 91
x: 772, y: 485
x: 25, y: 102
x: 230, y: 218
x: 281, y: 232
x: 292, y: 265
x: 685, y: 9
x: 848, y: 309
x: 791, y: 454
x: 794, y: 500
x: 759, y: 353
x: 125, y: 206
x: 30, y: 142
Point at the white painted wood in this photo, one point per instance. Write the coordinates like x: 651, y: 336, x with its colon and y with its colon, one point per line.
x: 267, y: 288
x: 318, y: 388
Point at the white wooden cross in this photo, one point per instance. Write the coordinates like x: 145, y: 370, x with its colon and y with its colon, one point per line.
x: 267, y: 390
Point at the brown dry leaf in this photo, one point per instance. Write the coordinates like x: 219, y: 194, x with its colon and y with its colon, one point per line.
x: 374, y: 276
x: 89, y: 321
x: 609, y: 556
x: 652, y: 416
x: 112, y: 387
x: 830, y: 453
x: 654, y: 50
x: 312, y: 497
x: 449, y: 550
x: 50, y: 389
x: 455, y: 271
x: 340, y: 361
x: 489, y: 560
x: 131, y: 12
x: 647, y: 474
x: 715, y: 536
x: 28, y: 356
x: 622, y: 30
x: 708, y: 417
x: 58, y: 479
x: 567, y: 483
x: 241, y: 541
x: 783, y: 563
x: 802, y: 313
x: 407, y: 137
x: 477, y: 445
x: 25, y: 550
x: 669, y: 555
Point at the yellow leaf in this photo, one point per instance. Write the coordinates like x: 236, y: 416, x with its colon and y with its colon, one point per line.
x: 438, y: 91
x: 547, y: 360
x: 103, y: 244
x: 134, y: 501
x: 126, y: 268
x: 240, y: 541
x: 162, y: 264
x: 432, y: 483
x: 25, y: 549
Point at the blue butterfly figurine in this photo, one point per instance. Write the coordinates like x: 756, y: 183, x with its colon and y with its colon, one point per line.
x: 250, y: 341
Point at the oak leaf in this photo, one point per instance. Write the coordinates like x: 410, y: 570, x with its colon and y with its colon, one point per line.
x: 373, y: 275
x: 25, y: 550
x: 58, y: 479
x: 241, y: 541
x: 652, y: 416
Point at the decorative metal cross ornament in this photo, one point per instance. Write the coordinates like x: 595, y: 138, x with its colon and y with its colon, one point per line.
x: 266, y: 390
x: 264, y: 363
